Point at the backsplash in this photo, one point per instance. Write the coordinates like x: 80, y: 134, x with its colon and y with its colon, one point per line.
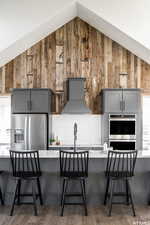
x: 88, y: 130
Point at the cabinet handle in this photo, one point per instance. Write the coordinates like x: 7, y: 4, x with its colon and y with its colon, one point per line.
x: 28, y: 105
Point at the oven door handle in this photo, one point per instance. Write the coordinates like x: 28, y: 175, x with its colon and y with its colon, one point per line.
x: 121, y: 105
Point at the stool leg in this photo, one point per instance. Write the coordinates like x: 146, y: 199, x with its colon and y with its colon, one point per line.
x: 63, y: 196
x: 84, y: 189
x: 127, y: 192
x: 82, y: 182
x: 39, y: 191
x: 63, y: 186
x: 111, y: 196
x: 14, y: 198
x: 34, y: 197
x: 1, y: 197
x: 130, y: 194
x: 106, y: 192
x: 19, y: 188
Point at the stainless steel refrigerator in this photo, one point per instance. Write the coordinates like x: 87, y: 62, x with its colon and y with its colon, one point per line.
x: 29, y: 131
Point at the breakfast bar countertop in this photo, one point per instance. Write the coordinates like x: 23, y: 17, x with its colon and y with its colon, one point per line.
x: 4, y: 153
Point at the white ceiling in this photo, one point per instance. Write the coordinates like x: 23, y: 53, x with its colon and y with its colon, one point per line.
x: 25, y: 22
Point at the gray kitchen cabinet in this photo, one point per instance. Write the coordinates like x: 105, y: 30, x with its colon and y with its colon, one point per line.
x: 31, y: 100
x: 40, y: 100
x: 131, y: 100
x: 20, y: 100
x: 121, y: 100
x: 112, y: 100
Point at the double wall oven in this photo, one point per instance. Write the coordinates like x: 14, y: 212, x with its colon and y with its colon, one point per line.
x: 122, y: 131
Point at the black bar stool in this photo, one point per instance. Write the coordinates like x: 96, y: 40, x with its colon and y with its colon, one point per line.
x: 73, y: 166
x: 26, y: 166
x: 120, y: 167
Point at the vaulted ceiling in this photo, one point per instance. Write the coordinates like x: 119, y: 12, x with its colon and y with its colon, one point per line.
x: 23, y: 23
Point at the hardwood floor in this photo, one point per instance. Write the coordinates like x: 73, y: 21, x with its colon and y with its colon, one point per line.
x: 73, y: 215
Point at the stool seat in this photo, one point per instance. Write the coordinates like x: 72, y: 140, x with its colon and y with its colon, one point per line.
x: 118, y: 174
x: 74, y: 174
x: 27, y: 174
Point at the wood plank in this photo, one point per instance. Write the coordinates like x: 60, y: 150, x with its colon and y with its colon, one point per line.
x: 138, y: 73
x: 60, y: 36
x: 44, y: 62
x: 36, y: 51
x: 3, y: 79
x: 9, y: 77
x: 51, y: 73
x: 17, y: 68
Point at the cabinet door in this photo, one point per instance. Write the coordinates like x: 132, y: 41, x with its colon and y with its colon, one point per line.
x: 131, y: 101
x: 20, y: 101
x: 40, y: 101
x: 112, y: 101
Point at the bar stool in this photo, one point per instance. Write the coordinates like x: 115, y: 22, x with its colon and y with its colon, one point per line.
x: 26, y: 166
x: 120, y: 167
x: 73, y: 166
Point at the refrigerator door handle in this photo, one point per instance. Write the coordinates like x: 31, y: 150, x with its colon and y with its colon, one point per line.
x: 29, y: 133
x: 26, y: 133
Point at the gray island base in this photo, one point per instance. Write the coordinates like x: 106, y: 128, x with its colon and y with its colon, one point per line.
x: 96, y: 183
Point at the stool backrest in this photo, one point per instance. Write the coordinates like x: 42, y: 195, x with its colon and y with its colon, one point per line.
x: 121, y: 163
x: 74, y: 162
x: 25, y: 162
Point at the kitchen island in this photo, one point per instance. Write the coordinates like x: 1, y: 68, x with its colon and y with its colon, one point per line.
x: 51, y: 182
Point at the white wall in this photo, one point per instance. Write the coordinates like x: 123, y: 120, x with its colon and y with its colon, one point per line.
x: 17, y: 18
x: 89, y: 128
x: 24, y: 23
x: 130, y: 16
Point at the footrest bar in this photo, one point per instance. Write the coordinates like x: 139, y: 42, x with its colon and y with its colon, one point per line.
x: 25, y: 203
x: 27, y: 195
x: 73, y: 203
x: 72, y: 195
x: 121, y: 203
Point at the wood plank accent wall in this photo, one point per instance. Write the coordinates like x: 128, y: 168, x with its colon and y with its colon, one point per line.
x: 76, y: 50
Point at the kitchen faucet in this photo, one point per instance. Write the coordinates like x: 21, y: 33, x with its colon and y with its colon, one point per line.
x: 75, y: 137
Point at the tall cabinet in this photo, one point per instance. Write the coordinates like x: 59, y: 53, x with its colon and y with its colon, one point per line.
x: 124, y: 103
x: 31, y: 123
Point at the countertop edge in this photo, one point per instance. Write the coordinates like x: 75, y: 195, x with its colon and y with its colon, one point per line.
x: 92, y: 154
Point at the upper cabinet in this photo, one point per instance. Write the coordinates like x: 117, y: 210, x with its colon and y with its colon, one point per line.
x: 131, y: 100
x: 40, y: 100
x: 31, y: 100
x: 20, y: 100
x: 121, y: 100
